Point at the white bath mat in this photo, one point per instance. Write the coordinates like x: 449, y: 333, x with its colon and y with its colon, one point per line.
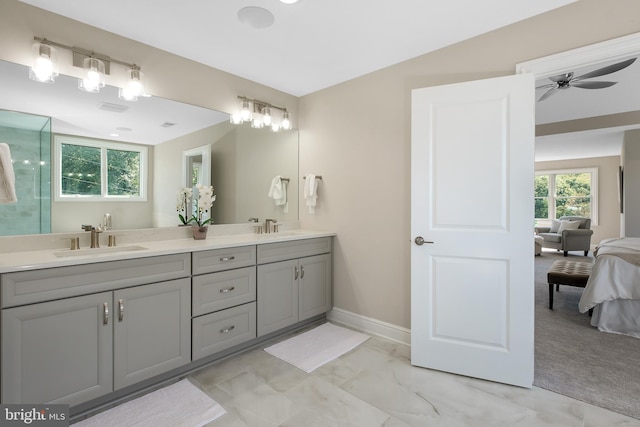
x: 312, y: 349
x: 180, y: 404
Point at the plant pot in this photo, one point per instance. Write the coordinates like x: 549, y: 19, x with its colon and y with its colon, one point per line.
x: 199, y: 233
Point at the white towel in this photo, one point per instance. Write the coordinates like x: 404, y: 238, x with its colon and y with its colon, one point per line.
x: 7, y: 177
x: 278, y: 192
x: 311, y: 192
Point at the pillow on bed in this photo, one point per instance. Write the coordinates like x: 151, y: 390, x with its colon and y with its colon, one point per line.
x: 568, y: 225
x: 555, y: 226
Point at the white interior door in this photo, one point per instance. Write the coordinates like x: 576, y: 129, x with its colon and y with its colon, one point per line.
x: 472, y: 170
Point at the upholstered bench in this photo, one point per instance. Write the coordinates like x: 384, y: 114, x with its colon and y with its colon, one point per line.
x: 569, y: 273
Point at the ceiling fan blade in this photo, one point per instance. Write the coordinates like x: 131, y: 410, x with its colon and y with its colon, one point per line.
x: 606, y: 70
x: 547, y: 86
x: 548, y: 93
x: 592, y: 85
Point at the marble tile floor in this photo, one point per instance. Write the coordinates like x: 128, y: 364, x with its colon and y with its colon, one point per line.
x: 375, y: 385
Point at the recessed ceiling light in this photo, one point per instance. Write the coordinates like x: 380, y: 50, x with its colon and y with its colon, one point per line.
x: 289, y: 1
x: 256, y: 17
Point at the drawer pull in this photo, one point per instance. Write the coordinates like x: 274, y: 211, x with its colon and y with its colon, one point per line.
x: 227, y: 290
x: 227, y: 329
x: 295, y: 276
x: 301, y: 272
x: 105, y: 313
x: 227, y: 258
x: 120, y: 310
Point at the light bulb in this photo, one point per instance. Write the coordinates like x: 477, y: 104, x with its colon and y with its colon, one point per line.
x: 236, y: 118
x: 275, y: 127
x: 286, y: 123
x: 44, y: 66
x: 266, y: 116
x: 245, y: 111
x: 134, y: 87
x: 94, y: 75
x: 257, y: 123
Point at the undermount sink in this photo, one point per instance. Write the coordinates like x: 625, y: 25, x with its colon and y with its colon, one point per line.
x: 97, y: 251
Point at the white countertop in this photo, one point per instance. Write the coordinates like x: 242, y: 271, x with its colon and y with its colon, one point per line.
x: 37, y: 259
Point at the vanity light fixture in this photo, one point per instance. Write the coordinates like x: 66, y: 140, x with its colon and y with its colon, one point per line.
x: 261, y: 114
x: 44, y: 66
x: 95, y: 65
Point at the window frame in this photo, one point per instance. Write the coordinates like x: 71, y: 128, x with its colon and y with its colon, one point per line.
x: 552, y: 173
x: 103, y: 145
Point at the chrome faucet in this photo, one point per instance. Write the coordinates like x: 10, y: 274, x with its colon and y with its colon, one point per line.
x: 95, y: 239
x: 253, y: 219
x: 267, y: 224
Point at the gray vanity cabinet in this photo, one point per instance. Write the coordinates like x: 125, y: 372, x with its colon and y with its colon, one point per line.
x: 152, y: 330
x: 294, y: 282
x: 58, y: 351
x: 223, y: 299
x: 81, y: 336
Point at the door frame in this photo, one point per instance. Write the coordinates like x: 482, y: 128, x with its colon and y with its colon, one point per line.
x: 615, y: 49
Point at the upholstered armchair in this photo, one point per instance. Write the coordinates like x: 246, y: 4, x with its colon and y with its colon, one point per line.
x: 568, y: 233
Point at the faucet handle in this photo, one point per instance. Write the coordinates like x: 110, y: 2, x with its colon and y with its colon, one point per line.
x: 87, y: 227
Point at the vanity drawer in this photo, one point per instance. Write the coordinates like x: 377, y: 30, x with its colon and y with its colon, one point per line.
x: 217, y: 291
x: 218, y: 331
x: 223, y: 259
x: 27, y: 287
x: 281, y: 251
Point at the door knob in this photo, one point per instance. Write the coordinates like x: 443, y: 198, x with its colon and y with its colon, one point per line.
x: 420, y: 241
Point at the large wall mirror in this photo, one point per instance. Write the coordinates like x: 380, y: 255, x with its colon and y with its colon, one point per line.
x: 242, y: 161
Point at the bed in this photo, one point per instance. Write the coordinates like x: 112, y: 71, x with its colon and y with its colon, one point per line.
x: 613, y: 288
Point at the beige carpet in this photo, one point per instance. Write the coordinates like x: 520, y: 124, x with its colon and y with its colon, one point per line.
x: 573, y: 358
x: 178, y: 405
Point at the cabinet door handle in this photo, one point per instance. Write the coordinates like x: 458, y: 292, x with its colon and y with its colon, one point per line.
x: 295, y: 276
x: 120, y: 310
x: 227, y: 329
x: 301, y: 272
x: 105, y: 313
x: 227, y: 258
x: 227, y: 290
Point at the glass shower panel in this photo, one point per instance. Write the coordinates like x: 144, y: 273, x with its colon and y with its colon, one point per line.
x: 29, y: 139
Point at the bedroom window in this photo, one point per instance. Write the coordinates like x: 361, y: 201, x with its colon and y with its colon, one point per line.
x: 97, y: 170
x: 570, y: 192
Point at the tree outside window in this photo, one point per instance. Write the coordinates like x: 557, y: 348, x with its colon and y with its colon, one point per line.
x: 95, y: 169
x: 565, y: 193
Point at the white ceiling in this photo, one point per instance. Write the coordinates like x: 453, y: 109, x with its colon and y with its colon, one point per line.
x: 311, y: 45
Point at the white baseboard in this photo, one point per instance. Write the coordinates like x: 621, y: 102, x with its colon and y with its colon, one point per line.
x: 371, y: 326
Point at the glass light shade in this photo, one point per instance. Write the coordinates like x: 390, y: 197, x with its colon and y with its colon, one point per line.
x: 93, y: 80
x: 286, y: 123
x: 236, y: 118
x: 134, y: 87
x: 257, y: 123
x: 245, y: 111
x: 44, y: 66
x: 266, y: 116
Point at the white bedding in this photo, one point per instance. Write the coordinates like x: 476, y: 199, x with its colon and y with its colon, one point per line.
x: 613, y: 288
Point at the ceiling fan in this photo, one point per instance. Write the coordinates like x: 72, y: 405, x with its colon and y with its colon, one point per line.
x: 567, y: 80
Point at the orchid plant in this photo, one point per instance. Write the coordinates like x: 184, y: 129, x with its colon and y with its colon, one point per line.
x: 203, y: 206
x: 183, y: 197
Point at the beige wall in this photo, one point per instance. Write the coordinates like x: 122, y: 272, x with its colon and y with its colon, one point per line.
x: 631, y: 227
x: 357, y: 135
x: 608, y: 204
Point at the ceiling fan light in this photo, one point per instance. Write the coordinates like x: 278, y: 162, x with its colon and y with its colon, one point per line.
x: 44, y: 66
